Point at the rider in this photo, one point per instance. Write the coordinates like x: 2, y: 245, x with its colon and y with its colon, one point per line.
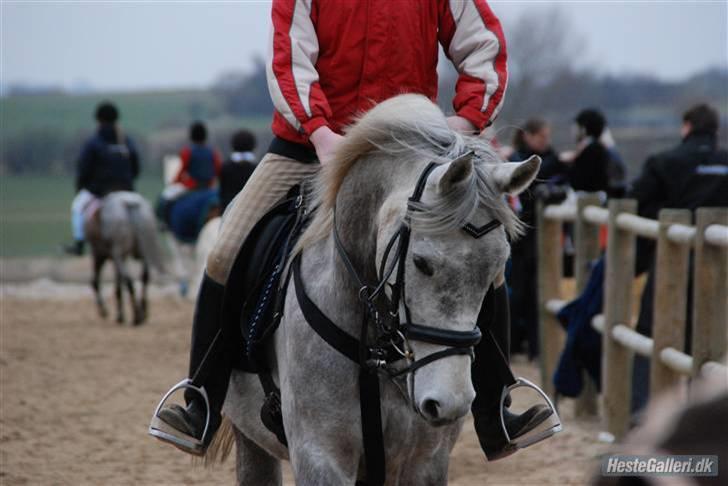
x: 200, y: 163
x: 331, y: 61
x: 108, y: 162
x: 199, y: 169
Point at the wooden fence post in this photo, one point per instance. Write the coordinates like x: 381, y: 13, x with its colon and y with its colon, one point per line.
x: 670, y: 299
x: 549, y: 284
x: 616, y: 359
x: 710, y: 291
x: 586, y: 241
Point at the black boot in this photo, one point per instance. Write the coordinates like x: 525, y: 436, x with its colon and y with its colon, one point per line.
x: 76, y: 248
x: 209, y: 368
x: 494, y: 318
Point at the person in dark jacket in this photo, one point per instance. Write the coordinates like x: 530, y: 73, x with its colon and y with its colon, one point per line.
x: 238, y: 168
x: 589, y: 164
x: 533, y: 139
x: 108, y: 162
x: 694, y: 174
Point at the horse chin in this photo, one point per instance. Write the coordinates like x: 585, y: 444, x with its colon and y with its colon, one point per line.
x: 442, y: 422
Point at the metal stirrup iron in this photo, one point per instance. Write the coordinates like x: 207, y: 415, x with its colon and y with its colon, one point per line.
x: 161, y: 430
x: 546, y: 429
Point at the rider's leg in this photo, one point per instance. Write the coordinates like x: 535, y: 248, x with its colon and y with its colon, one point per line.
x: 209, y: 363
x: 82, y: 198
x: 494, y: 318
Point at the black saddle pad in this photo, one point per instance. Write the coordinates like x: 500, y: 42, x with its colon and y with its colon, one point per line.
x: 256, y: 288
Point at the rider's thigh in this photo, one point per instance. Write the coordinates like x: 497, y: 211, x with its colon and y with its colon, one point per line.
x: 270, y: 181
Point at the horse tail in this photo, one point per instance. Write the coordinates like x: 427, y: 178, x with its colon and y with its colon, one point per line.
x: 221, y: 445
x: 145, y: 233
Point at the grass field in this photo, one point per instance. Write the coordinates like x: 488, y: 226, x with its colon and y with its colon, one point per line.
x: 35, y: 212
x: 142, y: 112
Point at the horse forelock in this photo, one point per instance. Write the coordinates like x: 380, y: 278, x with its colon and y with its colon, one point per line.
x: 411, y: 130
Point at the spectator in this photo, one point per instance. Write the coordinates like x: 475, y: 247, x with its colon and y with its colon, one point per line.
x: 693, y: 174
x: 589, y: 163
x: 533, y: 139
x: 238, y: 168
x: 616, y: 169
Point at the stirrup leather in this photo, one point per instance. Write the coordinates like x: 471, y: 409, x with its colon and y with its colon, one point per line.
x: 159, y: 429
x: 552, y: 423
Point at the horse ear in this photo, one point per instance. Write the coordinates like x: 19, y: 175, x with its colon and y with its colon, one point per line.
x: 456, y: 172
x: 514, y: 177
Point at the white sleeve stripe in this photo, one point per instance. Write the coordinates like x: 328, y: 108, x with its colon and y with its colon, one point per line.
x: 304, y: 52
x: 471, y: 33
x: 279, y: 101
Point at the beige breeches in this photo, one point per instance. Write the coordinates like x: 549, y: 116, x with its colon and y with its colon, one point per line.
x: 271, y: 180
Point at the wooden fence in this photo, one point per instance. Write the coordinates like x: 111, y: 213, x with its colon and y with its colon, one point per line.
x: 675, y: 237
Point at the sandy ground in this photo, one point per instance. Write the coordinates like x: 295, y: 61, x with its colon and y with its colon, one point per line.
x: 77, y: 393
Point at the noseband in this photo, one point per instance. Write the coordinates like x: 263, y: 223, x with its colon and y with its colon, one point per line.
x: 393, y: 334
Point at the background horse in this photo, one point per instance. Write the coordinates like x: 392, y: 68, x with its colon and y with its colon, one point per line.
x: 447, y: 274
x: 124, y: 227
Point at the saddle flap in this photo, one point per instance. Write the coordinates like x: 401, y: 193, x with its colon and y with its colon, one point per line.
x: 252, y: 290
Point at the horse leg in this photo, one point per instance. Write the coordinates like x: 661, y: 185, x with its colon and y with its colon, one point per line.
x: 253, y: 464
x: 119, y: 287
x: 96, y: 284
x: 316, y: 465
x: 143, y: 299
x: 135, y: 306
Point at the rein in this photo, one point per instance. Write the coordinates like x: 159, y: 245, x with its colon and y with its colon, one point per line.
x: 391, y: 344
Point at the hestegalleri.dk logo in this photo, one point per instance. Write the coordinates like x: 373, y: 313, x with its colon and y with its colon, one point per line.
x: 660, y: 465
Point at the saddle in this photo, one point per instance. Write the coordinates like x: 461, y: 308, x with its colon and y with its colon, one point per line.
x: 260, y: 276
x: 92, y: 211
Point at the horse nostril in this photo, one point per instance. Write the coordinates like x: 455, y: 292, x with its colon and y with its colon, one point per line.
x: 431, y: 409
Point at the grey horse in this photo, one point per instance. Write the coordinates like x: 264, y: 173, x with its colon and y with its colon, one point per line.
x: 448, y: 273
x: 124, y: 227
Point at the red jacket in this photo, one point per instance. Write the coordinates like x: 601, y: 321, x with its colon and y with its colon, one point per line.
x: 333, y: 59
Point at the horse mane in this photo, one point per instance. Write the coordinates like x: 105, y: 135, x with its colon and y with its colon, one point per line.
x: 411, y: 129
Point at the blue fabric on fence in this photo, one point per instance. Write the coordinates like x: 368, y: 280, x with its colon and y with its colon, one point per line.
x: 188, y: 213
x: 583, y: 349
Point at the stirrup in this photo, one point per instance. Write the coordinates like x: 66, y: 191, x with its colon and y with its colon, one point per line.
x: 162, y: 431
x: 546, y: 429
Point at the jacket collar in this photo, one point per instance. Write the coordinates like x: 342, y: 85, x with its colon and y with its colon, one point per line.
x: 700, y: 140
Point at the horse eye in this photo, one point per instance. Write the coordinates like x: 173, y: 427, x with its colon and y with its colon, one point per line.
x: 423, y: 266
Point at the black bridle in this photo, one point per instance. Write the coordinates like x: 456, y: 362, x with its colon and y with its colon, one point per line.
x: 402, y: 331
x: 391, y: 343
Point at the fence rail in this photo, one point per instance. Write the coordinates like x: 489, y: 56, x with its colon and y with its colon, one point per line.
x: 675, y: 238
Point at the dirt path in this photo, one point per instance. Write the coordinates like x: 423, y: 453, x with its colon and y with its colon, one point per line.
x: 77, y: 392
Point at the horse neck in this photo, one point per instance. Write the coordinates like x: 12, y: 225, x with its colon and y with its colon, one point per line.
x: 360, y: 198
x: 358, y: 204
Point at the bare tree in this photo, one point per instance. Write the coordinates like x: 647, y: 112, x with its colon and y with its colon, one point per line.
x: 543, y: 46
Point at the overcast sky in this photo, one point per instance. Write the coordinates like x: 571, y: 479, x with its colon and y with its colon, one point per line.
x: 134, y: 44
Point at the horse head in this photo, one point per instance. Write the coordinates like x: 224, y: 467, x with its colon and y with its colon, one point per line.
x: 458, y: 247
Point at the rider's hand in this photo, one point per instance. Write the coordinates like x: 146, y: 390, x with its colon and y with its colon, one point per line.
x: 460, y: 124
x: 325, y: 142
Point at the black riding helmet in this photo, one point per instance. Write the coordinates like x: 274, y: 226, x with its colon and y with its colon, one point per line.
x: 107, y: 112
